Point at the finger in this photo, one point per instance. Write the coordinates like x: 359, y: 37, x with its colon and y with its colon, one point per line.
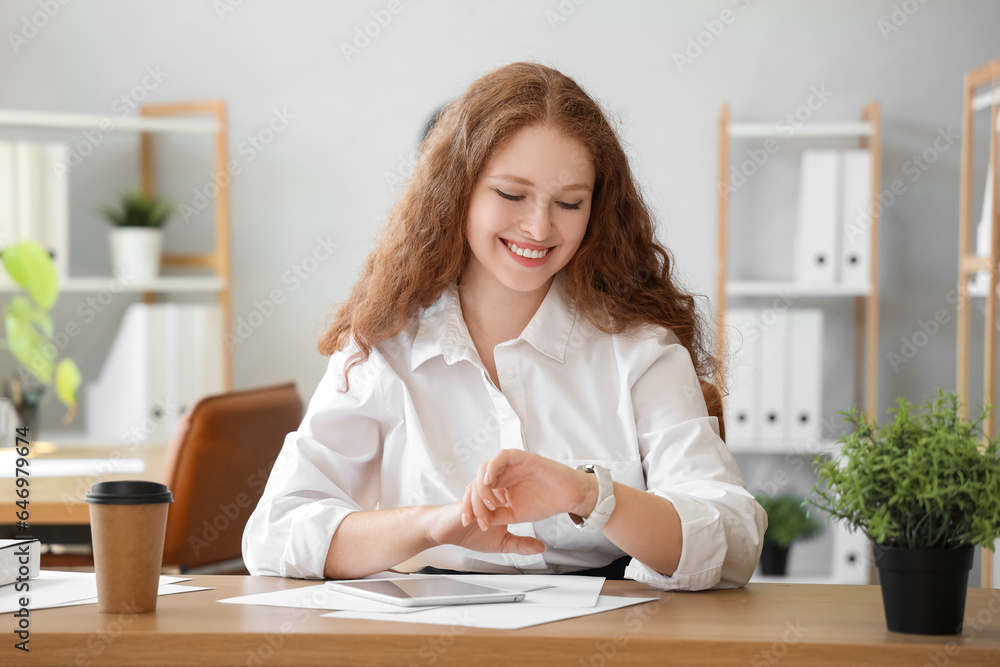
x: 479, y: 509
x: 492, y: 498
x: 486, y: 493
x: 521, y: 544
x: 467, y: 516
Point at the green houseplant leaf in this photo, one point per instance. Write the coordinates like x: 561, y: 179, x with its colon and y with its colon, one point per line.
x: 67, y: 383
x: 928, y: 479
x: 139, y: 210
x: 28, y: 324
x: 30, y: 266
x: 787, y: 521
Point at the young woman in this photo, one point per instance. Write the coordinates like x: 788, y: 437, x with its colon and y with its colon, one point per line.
x: 515, y: 380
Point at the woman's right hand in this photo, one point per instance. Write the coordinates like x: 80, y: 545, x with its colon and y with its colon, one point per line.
x: 444, y: 526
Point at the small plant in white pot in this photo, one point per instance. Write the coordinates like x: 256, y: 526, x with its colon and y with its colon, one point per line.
x: 137, y: 236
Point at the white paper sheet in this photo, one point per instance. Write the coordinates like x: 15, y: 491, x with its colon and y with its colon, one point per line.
x: 506, y: 616
x: 53, y: 587
x: 564, y: 591
x: 164, y: 589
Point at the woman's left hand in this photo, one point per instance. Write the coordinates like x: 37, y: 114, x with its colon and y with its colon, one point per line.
x: 515, y: 486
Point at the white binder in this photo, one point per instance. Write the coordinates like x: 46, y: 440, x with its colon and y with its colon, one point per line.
x: 774, y: 376
x: 817, y: 230
x: 804, y: 393
x: 54, y: 234
x: 8, y: 195
x: 29, y: 190
x: 742, y: 405
x: 164, y: 357
x: 856, y: 221
x: 851, y: 555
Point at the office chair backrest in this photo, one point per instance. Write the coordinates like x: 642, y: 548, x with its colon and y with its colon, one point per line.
x: 218, y: 463
x: 713, y: 399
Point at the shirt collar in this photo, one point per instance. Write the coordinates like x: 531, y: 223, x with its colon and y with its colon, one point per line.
x: 443, y: 331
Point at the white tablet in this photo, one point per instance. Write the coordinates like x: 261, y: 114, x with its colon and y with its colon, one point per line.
x: 424, y: 591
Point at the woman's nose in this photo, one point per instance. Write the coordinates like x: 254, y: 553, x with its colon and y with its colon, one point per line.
x: 537, y: 222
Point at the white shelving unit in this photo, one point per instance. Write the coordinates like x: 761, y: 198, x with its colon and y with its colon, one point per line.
x: 207, y: 118
x: 867, y: 132
x: 969, y: 264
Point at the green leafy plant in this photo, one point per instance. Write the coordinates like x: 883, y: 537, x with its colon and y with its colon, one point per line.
x: 139, y: 210
x: 926, y: 480
x: 29, y: 325
x: 787, y: 520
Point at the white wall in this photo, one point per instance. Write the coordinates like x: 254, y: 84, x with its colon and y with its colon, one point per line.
x: 354, y: 122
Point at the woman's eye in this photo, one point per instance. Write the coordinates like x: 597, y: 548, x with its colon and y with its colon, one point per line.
x: 562, y: 204
x: 507, y: 196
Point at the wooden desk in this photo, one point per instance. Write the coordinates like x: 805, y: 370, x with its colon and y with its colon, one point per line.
x: 762, y: 624
x: 59, y: 501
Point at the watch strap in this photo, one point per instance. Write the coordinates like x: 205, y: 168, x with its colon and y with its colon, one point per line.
x: 605, y: 504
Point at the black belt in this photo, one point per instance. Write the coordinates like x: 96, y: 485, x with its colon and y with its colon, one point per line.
x: 614, y: 570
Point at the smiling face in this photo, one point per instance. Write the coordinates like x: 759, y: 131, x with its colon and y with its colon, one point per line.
x: 529, y: 210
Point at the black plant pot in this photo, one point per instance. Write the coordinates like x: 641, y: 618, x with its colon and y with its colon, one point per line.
x: 923, y: 590
x: 773, y: 559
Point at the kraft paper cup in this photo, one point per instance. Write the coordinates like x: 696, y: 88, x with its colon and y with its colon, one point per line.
x: 128, y: 521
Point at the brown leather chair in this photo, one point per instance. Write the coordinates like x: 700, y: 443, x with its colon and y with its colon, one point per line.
x: 217, y: 465
x: 714, y: 401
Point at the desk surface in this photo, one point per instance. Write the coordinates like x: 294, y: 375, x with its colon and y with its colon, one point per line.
x: 60, y: 500
x: 762, y: 624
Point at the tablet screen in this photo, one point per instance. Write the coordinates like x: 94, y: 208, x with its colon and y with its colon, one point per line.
x: 421, y: 588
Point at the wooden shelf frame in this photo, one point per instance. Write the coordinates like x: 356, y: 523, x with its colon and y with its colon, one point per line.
x: 866, y: 306
x: 868, y: 132
x: 220, y: 260
x: 199, y: 117
x: 969, y: 263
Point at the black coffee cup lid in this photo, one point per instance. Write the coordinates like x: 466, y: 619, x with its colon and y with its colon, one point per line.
x: 129, y: 492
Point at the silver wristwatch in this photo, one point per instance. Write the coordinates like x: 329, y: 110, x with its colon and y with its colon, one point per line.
x: 605, y: 500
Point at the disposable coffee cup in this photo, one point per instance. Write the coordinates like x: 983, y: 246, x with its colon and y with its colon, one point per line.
x: 128, y: 521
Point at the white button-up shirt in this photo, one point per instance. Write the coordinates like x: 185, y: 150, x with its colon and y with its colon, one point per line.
x: 422, y: 413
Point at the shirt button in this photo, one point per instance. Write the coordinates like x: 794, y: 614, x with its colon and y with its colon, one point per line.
x: 511, y: 373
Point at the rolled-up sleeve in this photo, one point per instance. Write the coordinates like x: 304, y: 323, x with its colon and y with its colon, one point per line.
x: 326, y: 469
x: 685, y: 461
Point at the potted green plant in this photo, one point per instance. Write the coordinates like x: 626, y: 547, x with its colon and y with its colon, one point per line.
x: 28, y: 326
x: 137, y: 235
x: 787, y: 521
x: 926, y: 489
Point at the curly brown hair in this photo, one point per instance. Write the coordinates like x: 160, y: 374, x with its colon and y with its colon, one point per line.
x: 619, y: 278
